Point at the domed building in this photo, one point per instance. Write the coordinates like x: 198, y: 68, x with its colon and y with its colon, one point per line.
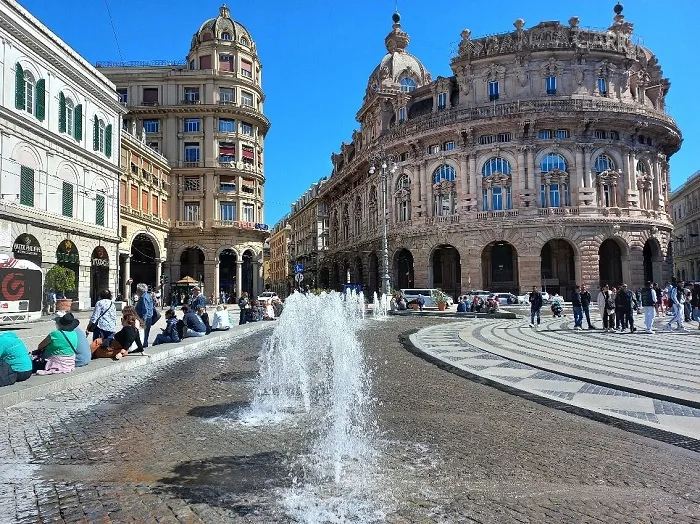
x: 205, y: 115
x: 543, y: 161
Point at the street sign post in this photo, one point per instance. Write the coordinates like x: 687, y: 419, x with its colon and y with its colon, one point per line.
x: 299, y: 277
x: 298, y: 268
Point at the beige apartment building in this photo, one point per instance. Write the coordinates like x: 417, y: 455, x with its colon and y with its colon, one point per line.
x: 685, y: 205
x: 543, y: 161
x: 279, y: 277
x: 144, y: 189
x: 205, y: 116
x: 308, y: 220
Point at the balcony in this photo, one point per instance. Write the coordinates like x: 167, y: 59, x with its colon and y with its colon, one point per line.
x: 446, y: 219
x: 149, y: 104
x: 504, y: 213
x: 189, y: 224
x: 558, y: 211
x: 190, y: 102
x: 224, y: 223
x: 191, y: 164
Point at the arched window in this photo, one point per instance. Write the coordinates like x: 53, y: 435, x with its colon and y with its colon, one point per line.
x: 407, y: 85
x: 244, y: 41
x: 444, y: 172
x: 373, y: 207
x: 604, y: 163
x: 346, y: 222
x: 101, y: 136
x: 29, y: 92
x: 357, y: 215
x: 496, y: 165
x: 335, y: 227
x: 402, y: 198
x: 69, y: 116
x: 642, y: 168
x: 553, y: 161
x: 226, y: 36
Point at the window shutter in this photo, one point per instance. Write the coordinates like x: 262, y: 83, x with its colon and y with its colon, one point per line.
x: 67, y: 206
x: 95, y: 134
x: 19, y: 87
x: 78, y: 121
x: 108, y: 140
x: 41, y: 99
x: 61, y: 112
x: 100, y: 210
x: 26, y: 186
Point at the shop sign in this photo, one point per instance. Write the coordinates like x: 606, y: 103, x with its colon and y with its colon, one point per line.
x: 100, y: 258
x: 26, y: 245
x: 251, y: 225
x: 67, y: 253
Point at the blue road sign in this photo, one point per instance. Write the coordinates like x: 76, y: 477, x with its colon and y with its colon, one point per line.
x: 298, y: 268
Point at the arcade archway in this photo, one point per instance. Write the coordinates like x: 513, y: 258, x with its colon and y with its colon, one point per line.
x: 374, y: 276
x: 558, y: 267
x: 144, y: 254
x: 652, y: 261
x: 192, y: 263
x: 99, y: 272
x: 403, y: 270
x: 247, y: 272
x: 499, y: 263
x: 445, y: 270
x: 610, y: 263
x: 227, y: 273
x: 67, y: 256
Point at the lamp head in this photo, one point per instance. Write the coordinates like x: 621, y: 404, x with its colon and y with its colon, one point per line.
x: 371, y: 169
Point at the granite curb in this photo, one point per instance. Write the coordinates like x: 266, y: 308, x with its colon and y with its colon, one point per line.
x: 453, y: 314
x: 38, y: 386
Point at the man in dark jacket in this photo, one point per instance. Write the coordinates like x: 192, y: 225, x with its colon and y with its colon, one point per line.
x: 624, y: 302
x: 192, y: 324
x: 578, y: 309
x: 586, y: 304
x: 535, y: 306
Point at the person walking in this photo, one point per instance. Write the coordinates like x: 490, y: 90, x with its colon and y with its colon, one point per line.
x: 586, y: 305
x: 624, y: 302
x: 52, y: 301
x: 675, y: 301
x: 649, y: 305
x: 606, y: 307
x: 695, y: 303
x: 578, y: 309
x: 144, y: 309
x: 659, y: 300
x: 535, y: 306
x: 197, y: 300
x: 243, y: 304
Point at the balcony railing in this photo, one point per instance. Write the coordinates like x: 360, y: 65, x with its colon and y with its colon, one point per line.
x: 503, y: 213
x: 548, y: 211
x: 189, y: 224
x: 446, y: 219
x: 144, y: 103
x: 190, y: 102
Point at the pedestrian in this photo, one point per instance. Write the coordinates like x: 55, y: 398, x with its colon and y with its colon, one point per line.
x: 586, y: 305
x: 243, y: 304
x: 421, y: 302
x: 687, y: 308
x: 197, y: 299
x: 52, y: 301
x: 624, y: 304
x: 56, y: 353
x: 221, y: 319
x: 192, y: 324
x: 675, y: 302
x: 535, y: 306
x: 659, y: 300
x: 144, y: 309
x: 695, y: 303
x: 649, y: 306
x: 578, y: 309
x: 103, y: 321
x: 606, y: 307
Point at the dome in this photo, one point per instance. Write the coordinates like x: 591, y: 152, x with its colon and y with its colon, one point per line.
x: 222, y: 27
x: 398, y: 69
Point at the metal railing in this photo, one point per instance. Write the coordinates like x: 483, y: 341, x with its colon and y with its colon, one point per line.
x: 142, y: 63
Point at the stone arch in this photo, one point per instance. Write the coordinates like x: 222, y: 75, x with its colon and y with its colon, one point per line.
x: 29, y: 67
x: 606, y: 150
x: 189, y: 245
x: 444, y: 269
x: 499, y: 263
x: 613, y: 261
x: 152, y: 237
x: 436, y: 164
x: 652, y: 257
x: 223, y: 248
x: 563, y: 151
x: 27, y: 155
x: 485, y: 156
x: 560, y: 266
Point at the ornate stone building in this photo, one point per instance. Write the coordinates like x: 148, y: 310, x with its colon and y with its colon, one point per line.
x: 280, y: 275
x: 542, y: 161
x: 685, y: 205
x: 144, y: 187
x: 308, y: 238
x: 59, y: 132
x: 206, y: 116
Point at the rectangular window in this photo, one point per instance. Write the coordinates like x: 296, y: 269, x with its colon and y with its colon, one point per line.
x: 26, y: 186
x: 122, y: 192
x: 248, y: 213
x: 602, y: 86
x: 248, y: 154
x: 246, y: 69
x: 246, y: 128
x: 150, y: 96
x: 191, y: 95
x: 504, y: 137
x: 100, y: 210
x: 448, y: 146
x: 227, y: 183
x: 123, y: 95
x: 497, y: 198
x: 191, y: 125
x: 246, y: 99
x: 191, y: 183
x: 226, y: 95
x: 151, y: 126
x: 227, y: 126
x: 434, y: 149
x: 402, y: 114
x: 485, y: 200
x: 493, y: 91
x: 615, y: 135
x: 191, y: 211
x: 543, y: 198
x: 403, y: 157
x: 225, y: 62
x: 205, y: 62
x: 606, y: 195
x: 442, y: 100
x: 154, y: 145
x: 600, y: 133
x: 154, y: 204
x: 191, y: 152
x: 144, y: 201
x: 487, y: 139
x: 227, y: 152
x: 554, y: 195
x: 228, y: 211
x: 545, y: 134
x: 565, y: 190
x: 562, y: 133
x: 551, y: 85
x: 67, y: 200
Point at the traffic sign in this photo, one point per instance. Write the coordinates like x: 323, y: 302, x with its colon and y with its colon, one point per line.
x: 299, y: 277
x: 298, y: 268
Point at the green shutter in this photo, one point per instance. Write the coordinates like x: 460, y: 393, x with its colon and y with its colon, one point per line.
x: 40, y: 99
x: 61, y: 112
x: 108, y: 140
x: 78, y: 121
x: 26, y: 186
x: 67, y: 199
x: 100, y: 210
x: 19, y: 87
x: 96, y: 134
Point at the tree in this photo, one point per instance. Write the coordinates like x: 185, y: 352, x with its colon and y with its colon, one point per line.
x: 61, y: 279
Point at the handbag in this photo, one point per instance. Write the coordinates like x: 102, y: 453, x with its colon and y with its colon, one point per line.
x: 92, y: 325
x: 155, y: 317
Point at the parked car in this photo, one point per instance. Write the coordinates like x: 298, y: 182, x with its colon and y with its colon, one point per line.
x: 524, y: 299
x: 506, y: 298
x: 479, y: 293
x: 267, y: 295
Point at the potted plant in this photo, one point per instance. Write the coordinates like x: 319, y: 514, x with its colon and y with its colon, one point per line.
x: 440, y: 298
x: 61, y: 279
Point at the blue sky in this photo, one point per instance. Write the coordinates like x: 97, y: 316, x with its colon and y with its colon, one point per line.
x: 317, y: 56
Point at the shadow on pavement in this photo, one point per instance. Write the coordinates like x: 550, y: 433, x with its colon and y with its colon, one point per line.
x: 228, y: 410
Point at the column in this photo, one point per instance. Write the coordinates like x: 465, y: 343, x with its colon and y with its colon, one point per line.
x: 159, y: 272
x: 656, y: 185
x: 472, y: 178
x: 464, y: 178
x: 427, y: 190
x: 614, y: 194
x: 211, y: 278
x: 239, y: 278
x: 127, y: 275
x: 580, y: 179
x: 415, y: 194
x: 531, y: 167
x: 588, y: 179
x: 523, y: 182
x: 256, y: 283
x: 547, y: 203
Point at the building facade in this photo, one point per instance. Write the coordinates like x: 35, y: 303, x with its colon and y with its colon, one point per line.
x: 279, y: 275
x: 685, y: 205
x: 60, y: 122
x: 543, y: 161
x: 144, y: 188
x: 206, y: 117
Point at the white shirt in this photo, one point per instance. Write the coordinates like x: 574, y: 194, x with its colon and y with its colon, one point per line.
x: 220, y: 320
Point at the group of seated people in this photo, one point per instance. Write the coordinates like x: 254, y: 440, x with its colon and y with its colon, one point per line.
x: 476, y: 304
x: 255, y: 310
x: 194, y: 323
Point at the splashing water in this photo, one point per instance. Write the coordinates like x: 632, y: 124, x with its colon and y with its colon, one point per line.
x: 380, y: 306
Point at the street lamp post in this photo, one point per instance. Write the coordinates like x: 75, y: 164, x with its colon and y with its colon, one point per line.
x: 385, y: 162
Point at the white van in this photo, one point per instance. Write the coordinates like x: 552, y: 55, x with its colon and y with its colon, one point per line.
x: 427, y: 293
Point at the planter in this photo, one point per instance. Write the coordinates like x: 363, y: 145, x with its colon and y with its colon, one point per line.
x: 442, y: 306
x: 63, y: 304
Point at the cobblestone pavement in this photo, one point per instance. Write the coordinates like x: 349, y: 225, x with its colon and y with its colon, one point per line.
x: 533, y: 361
x: 164, y: 446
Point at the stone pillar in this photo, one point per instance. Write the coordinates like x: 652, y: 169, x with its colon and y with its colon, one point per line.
x: 464, y: 178
x: 614, y: 194
x: 211, y: 278
x: 472, y: 179
x: 159, y: 272
x: 415, y: 195
x: 532, y: 168
x: 579, y: 168
x: 426, y: 189
x: 656, y: 185
x: 529, y: 271
x: 523, y: 182
x: 256, y: 283
x: 546, y: 194
x: 239, y: 278
x: 127, y: 275
x: 429, y: 194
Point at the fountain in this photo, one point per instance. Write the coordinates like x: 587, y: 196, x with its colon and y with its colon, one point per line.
x: 314, y: 366
x: 380, y: 306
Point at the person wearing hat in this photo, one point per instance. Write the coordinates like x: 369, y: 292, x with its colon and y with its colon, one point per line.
x: 15, y: 362
x: 56, y: 353
x: 197, y: 299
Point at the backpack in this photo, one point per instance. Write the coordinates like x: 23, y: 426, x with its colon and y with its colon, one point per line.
x: 609, y: 301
